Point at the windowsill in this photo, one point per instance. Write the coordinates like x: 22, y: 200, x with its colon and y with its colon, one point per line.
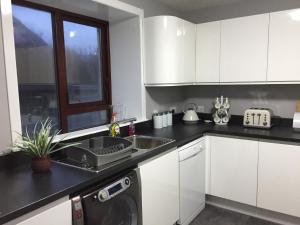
x: 89, y: 131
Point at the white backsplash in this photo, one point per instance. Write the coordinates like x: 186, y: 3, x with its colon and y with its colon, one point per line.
x: 280, y: 98
x: 162, y: 98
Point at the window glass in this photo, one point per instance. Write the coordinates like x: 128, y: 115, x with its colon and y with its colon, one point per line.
x: 87, y: 120
x: 83, y: 62
x: 35, y: 65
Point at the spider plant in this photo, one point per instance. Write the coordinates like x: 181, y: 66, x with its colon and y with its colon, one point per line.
x: 40, y: 143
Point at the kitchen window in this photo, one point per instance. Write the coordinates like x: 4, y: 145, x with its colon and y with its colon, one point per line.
x: 63, y: 67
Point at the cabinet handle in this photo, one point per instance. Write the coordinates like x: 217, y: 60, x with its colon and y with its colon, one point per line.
x: 191, y: 156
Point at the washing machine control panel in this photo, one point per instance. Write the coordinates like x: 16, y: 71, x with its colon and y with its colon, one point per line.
x: 114, y: 189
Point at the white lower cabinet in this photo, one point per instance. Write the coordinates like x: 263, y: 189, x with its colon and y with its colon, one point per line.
x: 234, y: 169
x: 253, y: 172
x: 160, y: 190
x: 52, y: 214
x: 279, y: 178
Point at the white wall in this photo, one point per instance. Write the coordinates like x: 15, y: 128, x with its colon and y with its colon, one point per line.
x: 125, y: 51
x: 10, y: 124
x: 5, y: 137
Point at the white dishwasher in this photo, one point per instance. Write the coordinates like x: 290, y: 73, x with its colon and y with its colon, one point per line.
x: 192, y: 180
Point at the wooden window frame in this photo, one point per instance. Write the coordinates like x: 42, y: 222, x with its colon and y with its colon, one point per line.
x: 65, y: 108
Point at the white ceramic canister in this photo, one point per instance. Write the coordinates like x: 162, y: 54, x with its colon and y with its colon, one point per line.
x: 157, y: 120
x: 170, y: 118
x: 165, y: 119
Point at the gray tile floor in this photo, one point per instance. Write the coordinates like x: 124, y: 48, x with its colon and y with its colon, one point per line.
x: 212, y: 215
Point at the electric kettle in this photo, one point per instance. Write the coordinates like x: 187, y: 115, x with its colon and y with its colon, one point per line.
x: 190, y: 114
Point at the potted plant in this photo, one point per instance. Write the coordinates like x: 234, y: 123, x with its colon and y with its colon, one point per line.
x: 40, y: 144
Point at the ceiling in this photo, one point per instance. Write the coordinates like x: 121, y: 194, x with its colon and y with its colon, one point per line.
x: 192, y: 5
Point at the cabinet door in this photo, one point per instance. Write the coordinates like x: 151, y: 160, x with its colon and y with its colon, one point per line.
x: 244, y: 47
x: 284, y: 46
x: 160, y: 190
x: 278, y: 178
x: 169, y: 50
x: 208, y: 52
x: 186, y: 54
x: 59, y: 214
x: 160, y: 50
x: 234, y: 169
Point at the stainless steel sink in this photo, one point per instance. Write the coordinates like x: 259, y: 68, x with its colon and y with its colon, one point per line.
x: 141, y: 142
x: 97, y: 151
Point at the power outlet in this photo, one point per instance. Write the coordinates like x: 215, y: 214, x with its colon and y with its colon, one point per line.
x: 200, y: 109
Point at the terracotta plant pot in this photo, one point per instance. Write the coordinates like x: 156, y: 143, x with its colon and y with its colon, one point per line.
x: 41, y: 164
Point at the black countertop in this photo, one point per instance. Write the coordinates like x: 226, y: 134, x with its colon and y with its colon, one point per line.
x: 23, y: 191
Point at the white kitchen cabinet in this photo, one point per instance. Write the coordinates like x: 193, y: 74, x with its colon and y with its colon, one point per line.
x: 278, y: 178
x: 160, y: 190
x: 284, y: 46
x: 208, y: 52
x: 244, y: 49
x: 52, y: 214
x: 169, y: 51
x: 234, y: 169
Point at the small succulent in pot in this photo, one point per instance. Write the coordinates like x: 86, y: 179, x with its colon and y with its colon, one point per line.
x: 39, y: 145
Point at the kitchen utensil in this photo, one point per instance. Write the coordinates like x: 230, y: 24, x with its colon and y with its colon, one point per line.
x: 296, y: 120
x: 298, y: 106
x: 221, y: 115
x: 258, y: 117
x: 190, y: 115
x: 165, y: 119
x: 170, y: 118
x: 98, y: 151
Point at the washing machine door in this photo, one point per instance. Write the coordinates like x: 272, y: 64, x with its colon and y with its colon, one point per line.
x: 120, y: 210
x: 116, y: 204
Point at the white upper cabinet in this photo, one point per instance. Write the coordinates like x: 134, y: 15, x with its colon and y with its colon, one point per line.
x: 208, y: 52
x: 278, y: 178
x: 244, y: 49
x: 284, y: 46
x: 169, y: 50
